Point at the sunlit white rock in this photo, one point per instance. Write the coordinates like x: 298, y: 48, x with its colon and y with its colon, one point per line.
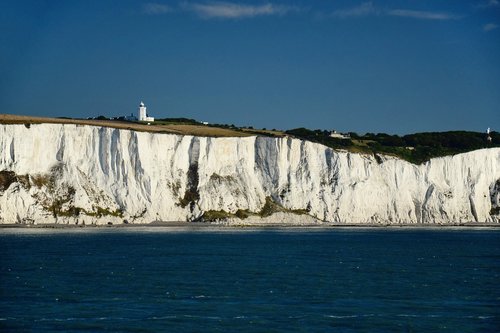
x: 146, y: 176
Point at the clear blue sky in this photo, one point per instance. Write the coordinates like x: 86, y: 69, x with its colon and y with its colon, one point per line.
x: 364, y: 66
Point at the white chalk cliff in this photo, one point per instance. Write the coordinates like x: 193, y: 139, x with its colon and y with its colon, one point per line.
x: 54, y: 173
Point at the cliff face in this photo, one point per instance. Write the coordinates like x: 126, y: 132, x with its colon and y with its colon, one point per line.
x: 82, y: 174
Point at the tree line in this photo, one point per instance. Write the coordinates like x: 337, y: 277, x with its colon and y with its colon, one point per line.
x: 416, y: 148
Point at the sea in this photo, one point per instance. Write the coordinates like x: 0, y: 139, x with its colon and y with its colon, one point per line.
x: 249, y: 280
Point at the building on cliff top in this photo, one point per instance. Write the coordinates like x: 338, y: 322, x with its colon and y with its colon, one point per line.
x: 337, y: 135
x: 143, y: 116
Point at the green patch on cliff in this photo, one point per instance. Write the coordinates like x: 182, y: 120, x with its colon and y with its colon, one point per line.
x: 56, y: 198
x: 214, y: 215
x: 217, y: 215
x: 58, y: 210
x: 100, y: 212
x: 40, y: 180
x: 494, y: 190
x: 191, y: 195
x: 270, y: 207
x: 60, y: 200
x: 6, y: 179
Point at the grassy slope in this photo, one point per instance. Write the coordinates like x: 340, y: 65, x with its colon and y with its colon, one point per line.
x: 182, y: 129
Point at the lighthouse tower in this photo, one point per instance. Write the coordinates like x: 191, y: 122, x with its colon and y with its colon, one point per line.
x: 142, y: 112
x: 143, y: 116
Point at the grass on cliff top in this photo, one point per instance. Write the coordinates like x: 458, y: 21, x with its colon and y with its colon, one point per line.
x: 179, y: 126
x: 155, y: 127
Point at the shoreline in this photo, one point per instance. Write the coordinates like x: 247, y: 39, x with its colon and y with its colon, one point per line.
x: 263, y: 226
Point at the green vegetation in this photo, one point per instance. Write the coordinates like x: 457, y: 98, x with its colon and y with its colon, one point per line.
x: 6, y: 179
x: 416, y: 148
x: 191, y: 195
x: 270, y: 207
x: 40, y: 180
x: 214, y: 215
x: 242, y: 213
x: 9, y: 177
x: 495, y: 208
x: 320, y: 136
x: 99, y: 211
x: 71, y: 211
x: 173, y: 121
x: 224, y: 126
x: 57, y: 200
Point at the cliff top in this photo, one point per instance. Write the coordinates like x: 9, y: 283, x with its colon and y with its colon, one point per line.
x: 416, y: 148
x: 156, y: 127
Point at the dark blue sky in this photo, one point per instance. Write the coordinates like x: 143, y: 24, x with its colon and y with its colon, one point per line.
x: 376, y: 66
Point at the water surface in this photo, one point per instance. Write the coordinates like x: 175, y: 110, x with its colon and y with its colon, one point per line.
x: 339, y: 280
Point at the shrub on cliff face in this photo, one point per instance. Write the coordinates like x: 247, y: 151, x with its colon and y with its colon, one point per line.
x: 494, y: 198
x: 6, y: 179
x: 9, y: 177
x: 40, y: 180
x: 215, y: 215
x: 191, y: 195
x: 242, y: 214
x: 270, y: 207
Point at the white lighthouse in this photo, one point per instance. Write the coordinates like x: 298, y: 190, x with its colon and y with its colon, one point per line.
x: 143, y: 116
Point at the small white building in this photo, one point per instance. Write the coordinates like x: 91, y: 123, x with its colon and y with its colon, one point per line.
x: 337, y: 135
x: 143, y: 116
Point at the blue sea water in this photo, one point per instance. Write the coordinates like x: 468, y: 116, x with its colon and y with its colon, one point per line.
x: 181, y: 280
